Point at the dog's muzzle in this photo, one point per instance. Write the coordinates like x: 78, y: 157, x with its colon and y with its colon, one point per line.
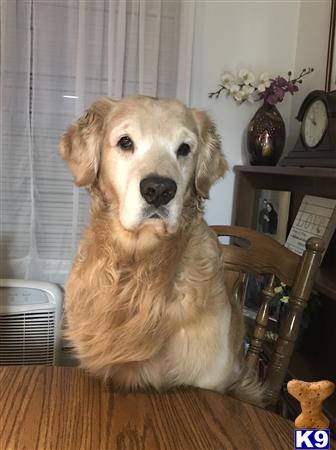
x: 157, y: 190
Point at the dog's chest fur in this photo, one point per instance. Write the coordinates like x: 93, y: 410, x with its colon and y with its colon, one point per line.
x: 155, y: 316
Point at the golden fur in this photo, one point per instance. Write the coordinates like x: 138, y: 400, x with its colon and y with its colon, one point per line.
x: 148, y: 306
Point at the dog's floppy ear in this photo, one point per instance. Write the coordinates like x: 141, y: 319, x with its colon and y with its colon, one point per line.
x: 81, y: 144
x: 211, y: 164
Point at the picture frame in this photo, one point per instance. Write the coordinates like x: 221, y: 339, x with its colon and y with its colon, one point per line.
x: 316, y: 217
x: 271, y: 209
x: 330, y: 81
x: 253, y: 287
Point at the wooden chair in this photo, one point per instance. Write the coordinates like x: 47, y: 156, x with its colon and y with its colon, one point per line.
x: 263, y: 255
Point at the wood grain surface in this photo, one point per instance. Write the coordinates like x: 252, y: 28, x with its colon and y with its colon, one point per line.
x: 65, y: 409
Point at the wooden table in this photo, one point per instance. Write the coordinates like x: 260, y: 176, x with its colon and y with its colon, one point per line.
x: 65, y: 409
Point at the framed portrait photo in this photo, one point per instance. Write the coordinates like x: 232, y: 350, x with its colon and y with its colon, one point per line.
x: 271, y: 213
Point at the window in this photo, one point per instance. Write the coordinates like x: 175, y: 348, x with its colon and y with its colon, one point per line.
x: 57, y: 57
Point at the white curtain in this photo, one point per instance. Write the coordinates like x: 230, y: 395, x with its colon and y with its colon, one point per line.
x: 56, y: 58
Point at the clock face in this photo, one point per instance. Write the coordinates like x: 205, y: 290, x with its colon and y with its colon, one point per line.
x: 314, y: 124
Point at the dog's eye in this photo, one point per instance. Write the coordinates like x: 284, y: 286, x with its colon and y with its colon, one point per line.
x: 183, y: 150
x: 126, y: 143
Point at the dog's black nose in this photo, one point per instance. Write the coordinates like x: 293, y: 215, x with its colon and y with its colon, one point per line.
x: 158, y: 191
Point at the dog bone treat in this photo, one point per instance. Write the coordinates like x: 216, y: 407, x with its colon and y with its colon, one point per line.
x: 311, y: 396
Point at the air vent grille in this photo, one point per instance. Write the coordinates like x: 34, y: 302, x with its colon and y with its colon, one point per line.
x: 27, y: 338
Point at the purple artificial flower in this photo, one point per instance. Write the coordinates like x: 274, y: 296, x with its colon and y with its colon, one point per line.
x: 273, y: 94
x: 292, y: 88
x: 279, y: 92
x: 281, y: 82
x: 271, y: 99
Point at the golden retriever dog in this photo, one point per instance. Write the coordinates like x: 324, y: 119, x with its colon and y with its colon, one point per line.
x: 145, y: 303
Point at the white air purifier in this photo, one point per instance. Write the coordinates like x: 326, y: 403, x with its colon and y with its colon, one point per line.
x: 30, y: 322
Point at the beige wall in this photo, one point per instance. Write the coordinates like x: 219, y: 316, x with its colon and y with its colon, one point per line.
x: 273, y: 36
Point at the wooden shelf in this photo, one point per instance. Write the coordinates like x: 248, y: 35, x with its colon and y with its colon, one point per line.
x: 315, y: 359
x: 299, y: 181
x: 313, y: 172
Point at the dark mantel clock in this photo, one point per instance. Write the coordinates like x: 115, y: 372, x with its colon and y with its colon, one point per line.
x: 316, y: 145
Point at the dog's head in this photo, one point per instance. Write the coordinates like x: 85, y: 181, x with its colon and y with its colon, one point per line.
x: 148, y: 157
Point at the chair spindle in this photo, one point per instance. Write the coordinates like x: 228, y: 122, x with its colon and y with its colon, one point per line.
x: 260, y: 328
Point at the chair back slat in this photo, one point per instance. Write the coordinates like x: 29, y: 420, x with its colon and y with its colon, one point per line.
x: 261, y: 254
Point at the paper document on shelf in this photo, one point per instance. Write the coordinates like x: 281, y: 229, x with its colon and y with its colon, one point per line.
x: 315, y: 218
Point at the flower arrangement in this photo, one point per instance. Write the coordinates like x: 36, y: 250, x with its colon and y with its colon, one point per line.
x: 247, y: 87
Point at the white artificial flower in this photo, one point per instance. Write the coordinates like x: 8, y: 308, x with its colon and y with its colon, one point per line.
x: 263, y: 85
x: 264, y: 77
x: 234, y: 88
x: 251, y: 98
x: 227, y: 79
x: 248, y: 92
x: 242, y: 93
x: 236, y: 92
x: 238, y: 96
x: 264, y: 81
x: 246, y: 76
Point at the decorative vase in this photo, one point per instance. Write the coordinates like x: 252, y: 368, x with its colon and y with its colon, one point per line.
x: 266, y: 136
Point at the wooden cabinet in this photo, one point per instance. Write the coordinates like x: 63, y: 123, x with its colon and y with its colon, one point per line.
x: 319, y: 360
